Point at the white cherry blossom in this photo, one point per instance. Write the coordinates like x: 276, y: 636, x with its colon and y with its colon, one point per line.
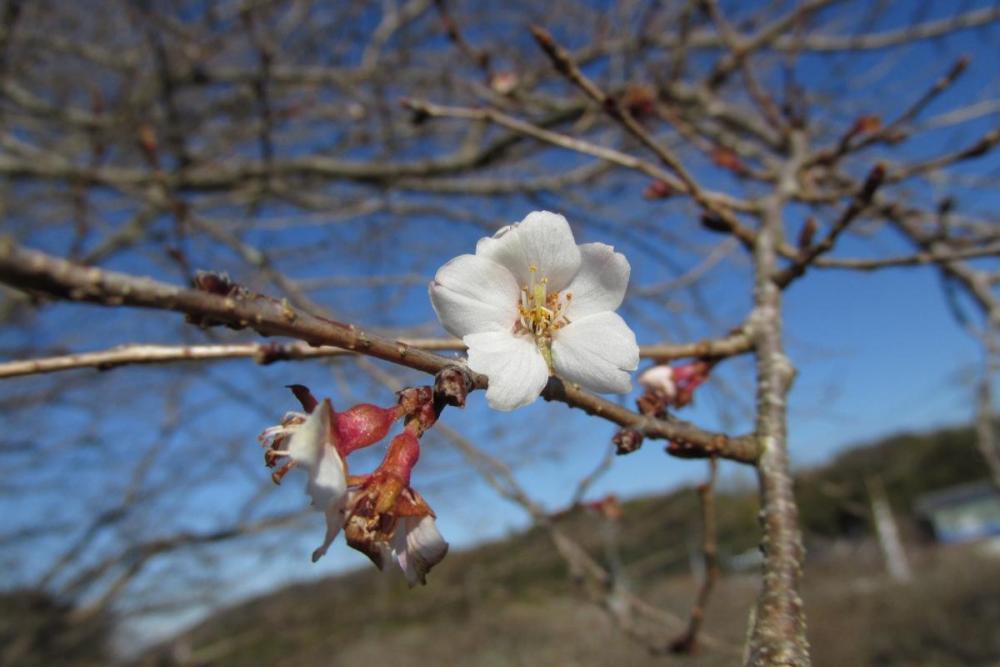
x: 531, y: 302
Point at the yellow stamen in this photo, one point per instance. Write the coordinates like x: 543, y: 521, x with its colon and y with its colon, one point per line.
x: 541, y: 312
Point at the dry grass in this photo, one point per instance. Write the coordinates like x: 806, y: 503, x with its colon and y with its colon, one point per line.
x: 948, y: 616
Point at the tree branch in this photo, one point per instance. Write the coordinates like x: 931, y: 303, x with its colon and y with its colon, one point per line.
x: 238, y: 308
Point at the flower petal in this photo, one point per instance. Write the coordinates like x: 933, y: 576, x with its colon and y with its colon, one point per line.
x: 309, y: 439
x: 600, y: 283
x: 543, y: 240
x: 334, y: 522
x: 515, y: 367
x: 472, y: 294
x: 304, y: 397
x: 311, y: 448
x: 421, y: 548
x: 596, y: 352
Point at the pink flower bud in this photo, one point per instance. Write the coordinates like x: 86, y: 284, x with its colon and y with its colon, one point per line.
x: 504, y: 83
x: 659, y: 379
x: 672, y: 385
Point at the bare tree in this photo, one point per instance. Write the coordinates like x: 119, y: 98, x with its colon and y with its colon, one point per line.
x: 329, y: 156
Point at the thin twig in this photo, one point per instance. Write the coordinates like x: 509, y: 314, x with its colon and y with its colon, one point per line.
x: 688, y: 642
x: 564, y: 63
x: 919, y: 259
x: 268, y: 353
x: 861, y: 201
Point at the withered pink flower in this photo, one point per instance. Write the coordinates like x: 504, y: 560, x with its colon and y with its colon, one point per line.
x: 319, y: 440
x: 387, y: 520
x: 531, y: 302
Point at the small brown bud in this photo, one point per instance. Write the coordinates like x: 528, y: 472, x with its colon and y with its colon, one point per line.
x: 946, y: 205
x: 874, y: 180
x: 639, y: 100
x: 867, y: 124
x: 148, y: 143
x: 714, y: 223
x: 653, y: 404
x: 896, y: 137
x: 807, y: 233
x: 412, y: 398
x: 626, y: 441
x: 213, y: 283
x: 268, y: 353
x: 452, y: 385
x: 727, y: 159
x: 418, y: 113
x: 658, y: 190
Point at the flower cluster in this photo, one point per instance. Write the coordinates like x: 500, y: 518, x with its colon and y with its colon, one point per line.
x: 532, y: 303
x: 381, y: 515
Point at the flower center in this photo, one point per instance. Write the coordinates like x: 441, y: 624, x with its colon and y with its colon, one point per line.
x: 541, y: 312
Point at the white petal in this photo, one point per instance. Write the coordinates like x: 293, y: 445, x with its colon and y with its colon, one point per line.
x: 472, y: 294
x: 418, y: 546
x: 309, y: 439
x: 328, y: 480
x: 515, y: 367
x: 334, y: 522
x: 659, y: 378
x: 311, y: 448
x: 543, y: 240
x: 600, y: 283
x: 398, y: 547
x: 596, y: 352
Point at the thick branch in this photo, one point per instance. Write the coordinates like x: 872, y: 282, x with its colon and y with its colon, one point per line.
x: 778, y: 634
x: 38, y: 272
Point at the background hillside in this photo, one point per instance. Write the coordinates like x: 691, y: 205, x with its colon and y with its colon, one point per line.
x: 511, y: 602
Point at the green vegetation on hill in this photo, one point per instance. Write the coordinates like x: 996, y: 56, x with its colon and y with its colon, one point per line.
x: 654, y: 540
x: 908, y: 464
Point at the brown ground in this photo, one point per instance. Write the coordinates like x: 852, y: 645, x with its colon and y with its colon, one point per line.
x: 949, y: 615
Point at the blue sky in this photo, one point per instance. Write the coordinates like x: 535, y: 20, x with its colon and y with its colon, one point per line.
x: 877, y: 353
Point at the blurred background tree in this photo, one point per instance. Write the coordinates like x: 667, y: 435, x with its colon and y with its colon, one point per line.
x: 335, y: 154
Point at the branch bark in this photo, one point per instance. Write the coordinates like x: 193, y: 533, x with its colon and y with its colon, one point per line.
x: 778, y: 632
